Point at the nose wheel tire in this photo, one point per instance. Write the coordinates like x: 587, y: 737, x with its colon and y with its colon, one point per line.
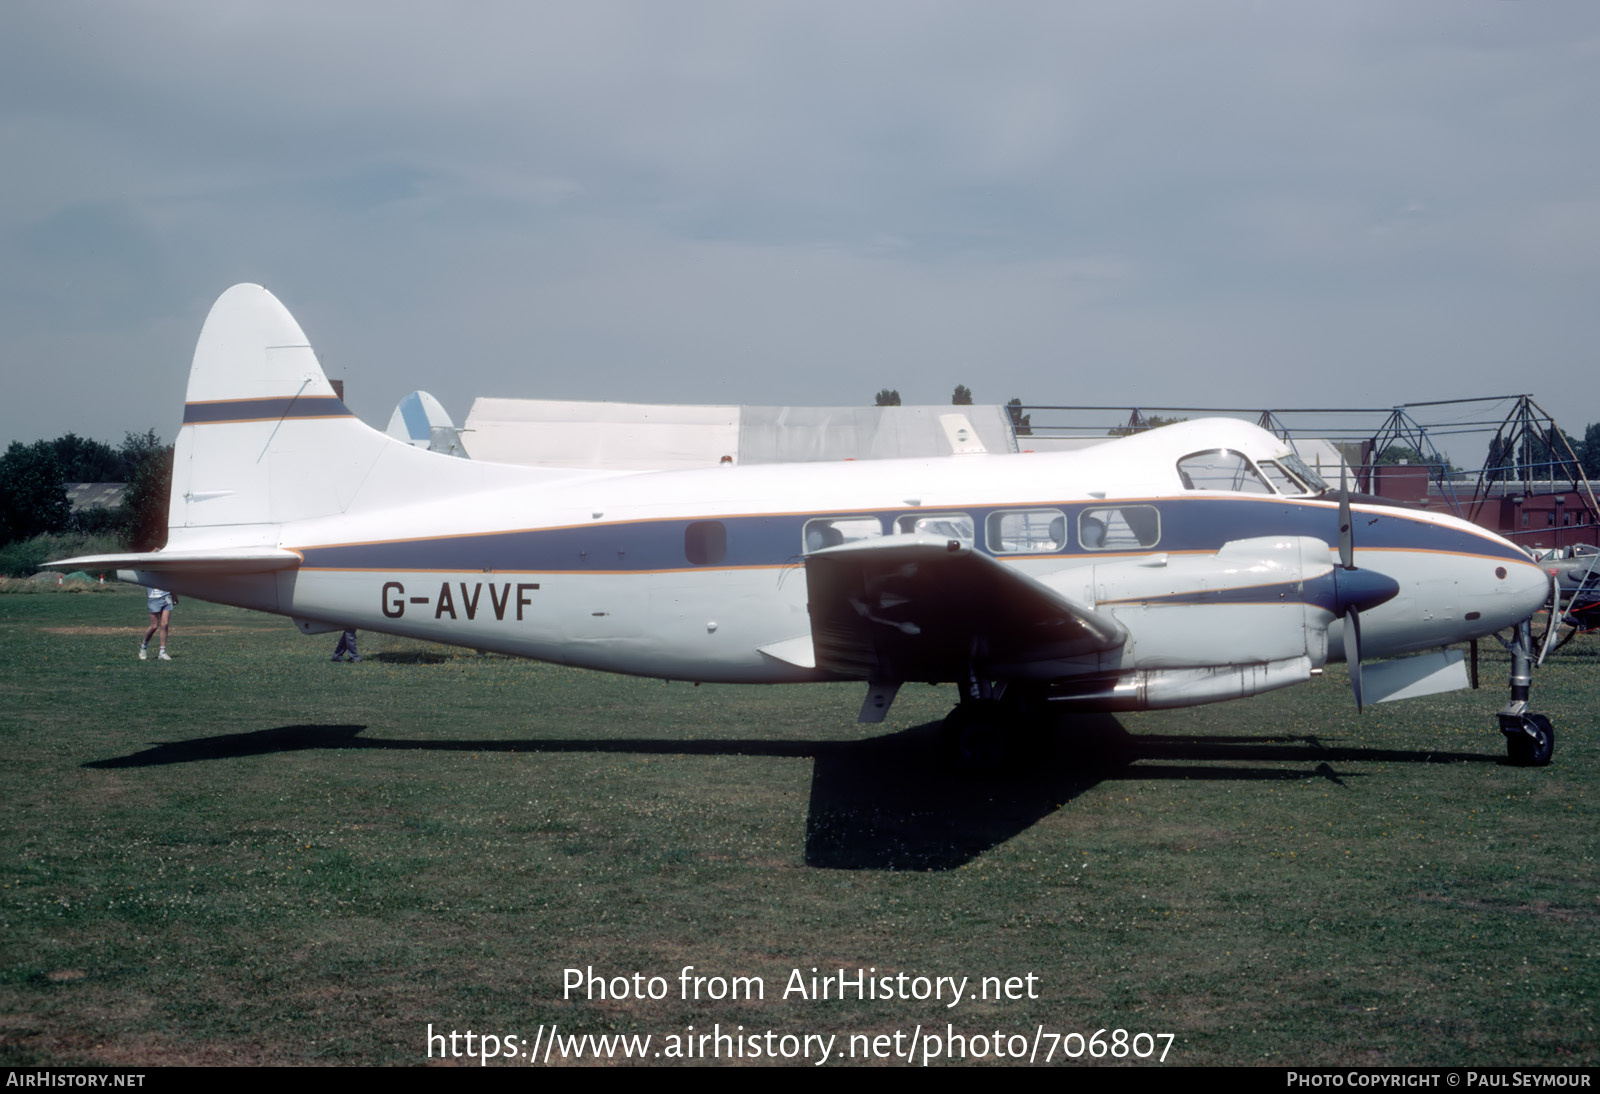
x: 1531, y: 741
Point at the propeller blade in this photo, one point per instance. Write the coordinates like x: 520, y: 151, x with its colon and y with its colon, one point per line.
x: 1352, y: 651
x: 1554, y: 618
x: 1347, y: 542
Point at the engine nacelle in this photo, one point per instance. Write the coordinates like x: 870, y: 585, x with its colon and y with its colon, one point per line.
x: 1265, y: 624
x: 1154, y: 689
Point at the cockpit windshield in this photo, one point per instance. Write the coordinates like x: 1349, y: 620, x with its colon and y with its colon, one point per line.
x: 1221, y: 469
x: 1297, y: 467
x: 1282, y: 481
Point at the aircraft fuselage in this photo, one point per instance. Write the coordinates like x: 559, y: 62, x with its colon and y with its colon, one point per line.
x: 612, y: 573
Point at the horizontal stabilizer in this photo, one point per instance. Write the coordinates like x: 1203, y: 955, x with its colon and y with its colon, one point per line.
x: 250, y: 560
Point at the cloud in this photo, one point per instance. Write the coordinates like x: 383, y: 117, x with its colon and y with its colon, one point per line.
x: 804, y: 202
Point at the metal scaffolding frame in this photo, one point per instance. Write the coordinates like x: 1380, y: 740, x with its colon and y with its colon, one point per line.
x: 1527, y: 452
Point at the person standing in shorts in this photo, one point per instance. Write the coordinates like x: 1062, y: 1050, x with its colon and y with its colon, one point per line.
x: 160, y: 603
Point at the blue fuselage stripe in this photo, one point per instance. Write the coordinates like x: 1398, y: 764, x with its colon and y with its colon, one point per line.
x: 1319, y: 592
x: 260, y: 410
x: 1187, y: 525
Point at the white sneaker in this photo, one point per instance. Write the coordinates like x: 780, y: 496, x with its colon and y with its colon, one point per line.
x: 163, y: 656
x: 144, y: 653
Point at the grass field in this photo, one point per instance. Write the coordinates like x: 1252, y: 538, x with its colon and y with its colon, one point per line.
x: 252, y: 855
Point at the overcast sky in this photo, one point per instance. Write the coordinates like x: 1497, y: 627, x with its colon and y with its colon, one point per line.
x: 1190, y: 202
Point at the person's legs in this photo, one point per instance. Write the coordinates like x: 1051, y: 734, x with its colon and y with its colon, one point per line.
x: 347, y: 645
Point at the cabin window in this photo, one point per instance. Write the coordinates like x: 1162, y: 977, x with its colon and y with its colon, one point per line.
x: 944, y: 525
x: 705, y: 542
x: 1027, y: 531
x: 1120, y: 528
x: 1221, y: 469
x: 823, y: 532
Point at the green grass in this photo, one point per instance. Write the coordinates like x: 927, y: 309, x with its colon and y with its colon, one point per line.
x: 253, y: 855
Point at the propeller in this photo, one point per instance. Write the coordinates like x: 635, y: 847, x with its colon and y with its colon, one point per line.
x: 1347, y: 562
x: 1554, y: 617
x: 1355, y: 590
x: 1347, y: 539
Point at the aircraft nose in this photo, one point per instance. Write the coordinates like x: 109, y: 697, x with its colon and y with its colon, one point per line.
x: 1528, y: 586
x: 1501, y: 592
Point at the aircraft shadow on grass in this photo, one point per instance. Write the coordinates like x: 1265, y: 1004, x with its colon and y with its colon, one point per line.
x: 885, y: 803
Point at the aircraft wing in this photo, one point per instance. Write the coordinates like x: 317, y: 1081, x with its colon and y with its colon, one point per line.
x: 918, y: 607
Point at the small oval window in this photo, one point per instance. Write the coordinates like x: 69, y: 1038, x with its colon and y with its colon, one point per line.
x: 705, y: 542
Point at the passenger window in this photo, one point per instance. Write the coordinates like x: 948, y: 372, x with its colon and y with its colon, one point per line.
x: 944, y: 525
x: 1124, y: 528
x: 705, y: 542
x: 825, y: 532
x: 1027, y: 531
x: 1221, y: 469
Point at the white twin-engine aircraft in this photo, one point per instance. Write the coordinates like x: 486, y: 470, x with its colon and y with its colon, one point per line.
x: 1190, y: 564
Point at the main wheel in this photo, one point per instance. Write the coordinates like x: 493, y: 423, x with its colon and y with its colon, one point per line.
x: 1535, y: 744
x: 1026, y: 718
x: 973, y: 739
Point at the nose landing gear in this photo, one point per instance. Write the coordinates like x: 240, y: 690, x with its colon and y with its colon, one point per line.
x: 1530, y: 738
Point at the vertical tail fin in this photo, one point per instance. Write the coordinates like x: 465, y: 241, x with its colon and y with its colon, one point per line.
x: 266, y: 443
x: 264, y: 439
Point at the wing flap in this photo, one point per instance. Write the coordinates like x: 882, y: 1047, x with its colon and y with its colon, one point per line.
x: 925, y: 608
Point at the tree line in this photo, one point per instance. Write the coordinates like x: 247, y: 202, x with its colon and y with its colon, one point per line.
x: 962, y: 396
x: 1546, y: 458
x: 33, y: 495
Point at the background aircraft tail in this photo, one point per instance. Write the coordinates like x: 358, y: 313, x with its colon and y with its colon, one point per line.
x: 421, y: 421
